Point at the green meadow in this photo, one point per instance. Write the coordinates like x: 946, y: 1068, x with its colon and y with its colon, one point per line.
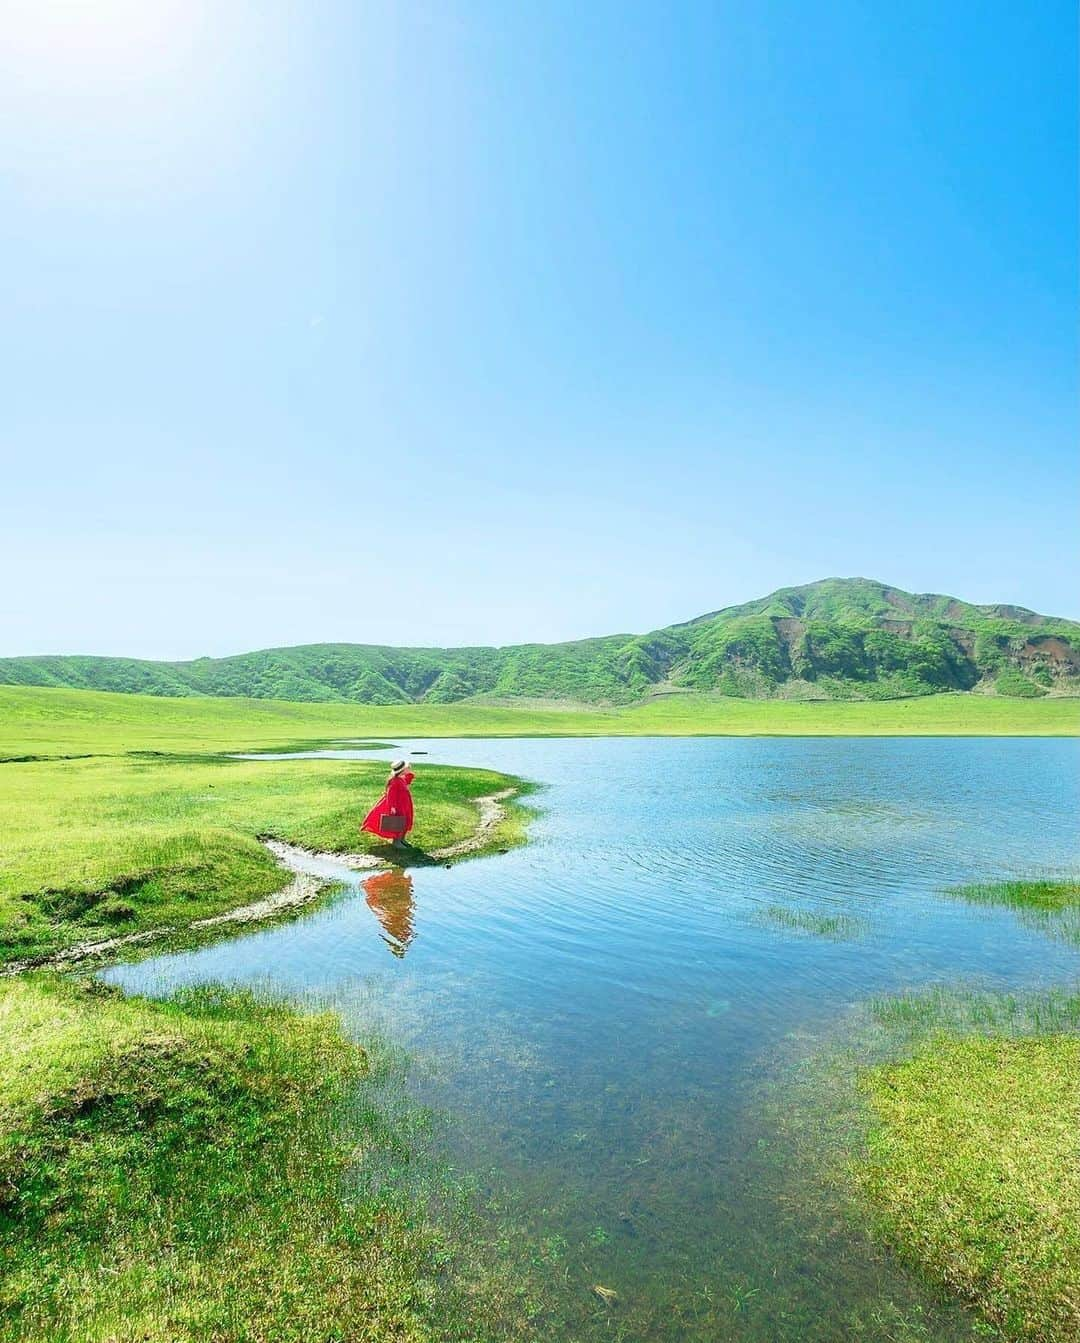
x: 106, y: 845
x: 213, y: 1166
x: 972, y: 1157
x: 49, y: 722
x: 216, y: 1167
x: 971, y: 1161
x: 943, y: 1124
x: 973, y: 1166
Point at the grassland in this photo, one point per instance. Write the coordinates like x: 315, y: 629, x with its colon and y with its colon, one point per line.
x: 944, y: 1125
x: 973, y: 1167
x: 965, y: 1126
x: 200, y: 1170
x: 52, y: 722
x: 103, y: 845
x: 197, y: 1169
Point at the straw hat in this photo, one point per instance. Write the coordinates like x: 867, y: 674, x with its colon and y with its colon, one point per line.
x: 398, y: 767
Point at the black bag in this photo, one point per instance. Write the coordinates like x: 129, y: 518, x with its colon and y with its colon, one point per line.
x: 392, y: 824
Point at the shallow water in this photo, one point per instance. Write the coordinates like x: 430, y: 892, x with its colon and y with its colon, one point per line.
x: 596, y: 1012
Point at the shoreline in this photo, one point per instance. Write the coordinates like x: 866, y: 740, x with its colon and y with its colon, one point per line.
x: 50, y: 723
x: 492, y: 813
x: 304, y: 889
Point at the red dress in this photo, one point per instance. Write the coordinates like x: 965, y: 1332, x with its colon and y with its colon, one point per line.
x: 396, y: 801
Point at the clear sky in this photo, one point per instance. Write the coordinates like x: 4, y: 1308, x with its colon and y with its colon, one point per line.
x: 484, y: 322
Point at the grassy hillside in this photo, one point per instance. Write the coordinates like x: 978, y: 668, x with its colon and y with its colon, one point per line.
x: 836, y: 639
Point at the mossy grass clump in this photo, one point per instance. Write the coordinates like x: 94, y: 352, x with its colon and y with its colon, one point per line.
x: 973, y: 1166
x: 943, y: 1126
x: 194, y: 1169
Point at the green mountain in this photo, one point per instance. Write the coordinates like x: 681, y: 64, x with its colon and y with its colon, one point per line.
x: 841, y: 638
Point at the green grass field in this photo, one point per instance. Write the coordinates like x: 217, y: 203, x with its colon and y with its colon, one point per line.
x: 194, y: 1169
x: 214, y: 1168
x: 969, y: 1109
x: 105, y: 845
x: 49, y: 722
x: 973, y: 1167
x: 944, y: 1123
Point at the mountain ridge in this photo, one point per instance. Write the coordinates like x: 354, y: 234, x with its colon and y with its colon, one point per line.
x: 837, y: 638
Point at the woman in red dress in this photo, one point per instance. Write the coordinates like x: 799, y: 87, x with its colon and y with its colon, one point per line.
x: 396, y: 802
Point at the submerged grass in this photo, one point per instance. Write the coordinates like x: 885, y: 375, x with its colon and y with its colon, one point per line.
x: 111, y: 845
x: 908, y: 1019
x: 833, y: 927
x: 1050, y: 906
x: 945, y: 1124
x: 213, y: 1167
x: 1051, y: 896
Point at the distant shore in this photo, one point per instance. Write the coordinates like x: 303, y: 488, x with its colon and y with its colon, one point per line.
x: 40, y: 723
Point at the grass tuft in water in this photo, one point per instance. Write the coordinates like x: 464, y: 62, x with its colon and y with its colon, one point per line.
x: 836, y: 927
x: 1052, y: 896
x: 910, y: 1017
x: 1050, y: 906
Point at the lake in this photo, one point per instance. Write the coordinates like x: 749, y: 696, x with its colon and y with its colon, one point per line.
x: 599, y: 1016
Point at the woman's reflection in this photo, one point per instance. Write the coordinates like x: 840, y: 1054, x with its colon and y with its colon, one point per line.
x: 390, y: 899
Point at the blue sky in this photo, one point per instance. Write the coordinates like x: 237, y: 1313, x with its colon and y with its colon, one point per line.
x: 475, y: 322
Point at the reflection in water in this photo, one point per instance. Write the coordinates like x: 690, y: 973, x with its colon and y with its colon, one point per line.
x: 389, y: 896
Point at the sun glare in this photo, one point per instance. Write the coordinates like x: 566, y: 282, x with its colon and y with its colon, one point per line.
x: 77, y: 45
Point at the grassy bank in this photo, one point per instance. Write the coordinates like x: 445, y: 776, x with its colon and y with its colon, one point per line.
x: 196, y: 1170
x: 943, y: 1127
x: 109, y: 845
x: 970, y: 1164
x: 50, y: 722
x: 973, y: 1166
